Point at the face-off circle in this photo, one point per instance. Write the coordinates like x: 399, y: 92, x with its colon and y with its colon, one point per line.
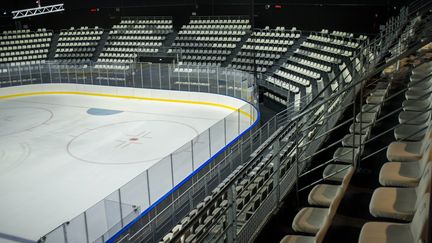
x: 130, y: 142
x: 19, y: 119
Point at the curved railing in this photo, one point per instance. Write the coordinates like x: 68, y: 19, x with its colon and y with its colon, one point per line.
x: 134, y: 199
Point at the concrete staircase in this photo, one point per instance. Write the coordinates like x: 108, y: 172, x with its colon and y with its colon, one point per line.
x: 236, y: 50
x: 169, y: 41
x: 53, y: 46
x: 101, y: 45
x: 286, y: 55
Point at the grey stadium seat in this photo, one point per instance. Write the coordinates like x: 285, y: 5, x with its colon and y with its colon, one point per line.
x: 336, y: 172
x: 324, y: 194
x: 311, y: 219
x: 399, y: 203
x: 406, y: 151
x: 386, y: 232
x: 405, y: 174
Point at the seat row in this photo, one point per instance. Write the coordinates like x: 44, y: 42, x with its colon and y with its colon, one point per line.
x: 73, y: 55
x: 308, y: 63
x: 260, y: 62
x: 143, y: 26
x: 16, y: 63
x: 22, y: 58
x: 327, y: 49
x: 324, y: 199
x: 75, y: 44
x: 327, y: 39
x: 213, y: 32
x: 80, y: 32
x: 201, y: 51
x: 138, y: 38
x: 300, y: 70
x: 270, y: 41
x: 165, y: 21
x: 28, y: 35
x: 25, y: 41
x: 204, y: 58
x: 406, y: 179
x: 131, y: 43
x: 135, y: 31
x: 86, y: 50
x: 219, y: 21
x: 259, y: 55
x: 276, y: 98
x: 247, y: 67
x: 205, y: 45
x: 318, y: 56
x: 208, y: 38
x: 218, y: 26
x: 113, y: 66
x: 292, y: 77
x: 23, y: 52
x: 79, y: 38
x: 276, y: 34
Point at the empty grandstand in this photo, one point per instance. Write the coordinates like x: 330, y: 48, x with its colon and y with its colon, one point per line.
x: 239, y: 128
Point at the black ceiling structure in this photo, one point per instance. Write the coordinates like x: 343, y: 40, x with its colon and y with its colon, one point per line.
x: 359, y: 16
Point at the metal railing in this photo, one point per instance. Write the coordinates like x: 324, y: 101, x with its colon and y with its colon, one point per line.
x: 139, y: 196
x: 239, y: 207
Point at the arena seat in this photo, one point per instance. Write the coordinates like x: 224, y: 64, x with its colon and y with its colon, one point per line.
x: 134, y: 35
x: 383, y: 232
x: 77, y: 45
x: 400, y: 203
x: 403, y: 173
x: 266, y: 47
x: 324, y: 194
x: 317, y: 238
x: 210, y: 40
x: 24, y: 47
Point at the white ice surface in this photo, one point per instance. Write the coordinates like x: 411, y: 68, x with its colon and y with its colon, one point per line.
x: 56, y: 160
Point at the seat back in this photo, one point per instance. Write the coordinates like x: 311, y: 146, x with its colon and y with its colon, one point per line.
x: 425, y: 181
x: 418, y: 226
x: 335, y: 204
x: 320, y: 235
x: 346, y: 180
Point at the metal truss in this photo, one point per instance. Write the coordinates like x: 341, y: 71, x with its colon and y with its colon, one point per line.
x: 24, y: 13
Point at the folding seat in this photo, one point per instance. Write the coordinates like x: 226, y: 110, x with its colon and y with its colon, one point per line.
x: 414, y: 118
x: 336, y: 172
x: 324, y: 194
x: 408, y: 132
x: 311, y: 220
x: 400, y: 203
x: 382, y: 232
x: 353, y: 140
x: 423, y: 69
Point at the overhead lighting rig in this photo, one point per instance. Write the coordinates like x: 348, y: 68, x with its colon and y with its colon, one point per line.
x: 39, y: 10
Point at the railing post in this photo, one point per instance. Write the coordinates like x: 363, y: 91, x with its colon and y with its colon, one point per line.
x: 86, y: 227
x: 297, y: 140
x: 231, y: 215
x: 151, y: 75
x: 276, y: 175
x: 160, y: 77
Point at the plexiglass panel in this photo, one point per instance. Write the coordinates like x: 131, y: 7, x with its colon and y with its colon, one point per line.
x: 182, y: 163
x: 160, y: 179
x: 136, y: 192
x: 76, y: 231
x: 201, y: 149
x: 217, y: 137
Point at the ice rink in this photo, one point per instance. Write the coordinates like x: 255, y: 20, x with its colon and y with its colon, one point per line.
x: 62, y: 153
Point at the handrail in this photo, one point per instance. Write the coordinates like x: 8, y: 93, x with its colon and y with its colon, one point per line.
x: 381, y: 66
